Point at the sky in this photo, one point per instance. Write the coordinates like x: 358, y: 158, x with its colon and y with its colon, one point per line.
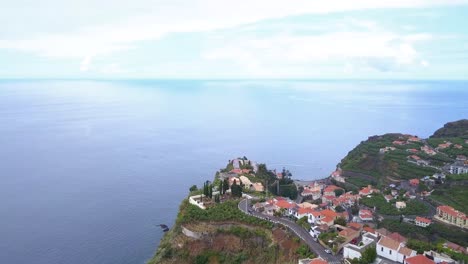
x: 219, y: 39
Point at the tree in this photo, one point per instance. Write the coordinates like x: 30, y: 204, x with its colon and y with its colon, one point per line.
x: 205, y: 189
x: 210, y: 191
x: 340, y: 221
x: 236, y: 190
x: 217, y: 200
x: 339, y: 209
x: 193, y: 188
x: 338, y: 192
x: 369, y: 255
x: 355, y: 208
x: 225, y: 185
x: 220, y: 187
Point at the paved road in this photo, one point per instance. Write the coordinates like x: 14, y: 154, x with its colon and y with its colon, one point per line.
x: 298, y: 230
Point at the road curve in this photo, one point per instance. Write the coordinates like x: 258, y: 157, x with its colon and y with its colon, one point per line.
x: 318, y: 249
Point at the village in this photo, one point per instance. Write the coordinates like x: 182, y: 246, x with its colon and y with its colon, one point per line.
x: 341, y: 225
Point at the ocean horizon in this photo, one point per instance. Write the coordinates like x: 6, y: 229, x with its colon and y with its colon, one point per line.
x: 89, y: 168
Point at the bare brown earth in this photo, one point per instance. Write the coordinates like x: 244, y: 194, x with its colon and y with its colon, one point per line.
x: 274, y: 246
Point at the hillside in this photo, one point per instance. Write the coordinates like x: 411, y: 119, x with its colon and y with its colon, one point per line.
x: 452, y: 129
x: 222, y: 234
x: 383, y: 159
x: 396, y: 158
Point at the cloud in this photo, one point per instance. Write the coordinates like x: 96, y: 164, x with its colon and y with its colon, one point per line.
x: 85, y: 63
x: 163, y: 17
x: 377, y: 49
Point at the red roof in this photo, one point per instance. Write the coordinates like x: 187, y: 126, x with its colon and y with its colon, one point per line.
x: 414, y: 181
x: 318, y: 261
x: 369, y: 229
x: 284, y: 204
x: 329, y: 213
x: 305, y: 211
x: 397, y: 237
x: 355, y: 226
x: 449, y: 210
x: 331, y: 188
x: 415, y: 157
x: 422, y: 219
x: 419, y: 259
x: 363, y: 213
x: 365, y: 190
x: 236, y: 171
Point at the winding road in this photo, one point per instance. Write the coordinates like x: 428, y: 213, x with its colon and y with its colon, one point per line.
x: 318, y: 249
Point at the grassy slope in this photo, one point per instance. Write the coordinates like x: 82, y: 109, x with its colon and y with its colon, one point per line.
x: 257, y: 241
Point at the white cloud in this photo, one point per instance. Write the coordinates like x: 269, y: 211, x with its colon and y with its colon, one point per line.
x: 377, y: 49
x: 162, y: 17
x: 85, y: 63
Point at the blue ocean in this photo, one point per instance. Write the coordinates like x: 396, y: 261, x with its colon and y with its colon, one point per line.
x: 89, y: 168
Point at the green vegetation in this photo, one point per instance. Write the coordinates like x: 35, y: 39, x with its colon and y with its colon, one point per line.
x: 236, y: 190
x: 303, y: 222
x: 427, y: 234
x: 452, y: 129
x: 457, y: 199
x: 193, y: 188
x: 451, y: 151
x: 366, y: 160
x: 458, y: 177
x: 340, y: 221
x: 413, y: 207
x: 305, y: 252
x: 368, y: 256
x: 222, y: 212
x: 421, y: 246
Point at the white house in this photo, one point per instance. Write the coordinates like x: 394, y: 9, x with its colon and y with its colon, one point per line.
x: 393, y: 250
x: 400, y: 205
x: 365, y: 215
x: 422, y: 222
x: 355, y: 251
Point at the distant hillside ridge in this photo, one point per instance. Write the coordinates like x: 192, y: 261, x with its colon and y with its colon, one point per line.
x: 452, y: 129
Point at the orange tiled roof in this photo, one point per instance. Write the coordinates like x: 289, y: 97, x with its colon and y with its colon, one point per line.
x: 369, y: 229
x: 419, y: 259
x: 389, y: 243
x: 405, y: 251
x: 284, y: 204
x: 318, y: 261
x: 422, y: 219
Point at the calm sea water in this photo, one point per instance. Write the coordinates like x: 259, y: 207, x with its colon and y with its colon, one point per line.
x: 88, y: 168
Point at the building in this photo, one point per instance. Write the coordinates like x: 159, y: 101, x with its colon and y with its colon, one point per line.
x: 365, y: 215
x: 352, y: 251
x: 366, y: 191
x: 393, y: 250
x: 422, y: 222
x: 388, y: 198
x: 257, y: 186
x: 428, y: 150
x: 459, y: 167
x: 449, y: 215
x: 400, y: 205
x: 414, y: 182
x: 455, y: 247
x: 330, y: 190
x: 438, y: 257
x: 418, y: 259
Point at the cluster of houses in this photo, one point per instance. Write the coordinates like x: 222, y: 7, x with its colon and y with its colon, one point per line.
x: 314, y: 213
x: 328, y: 194
x: 392, y: 246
